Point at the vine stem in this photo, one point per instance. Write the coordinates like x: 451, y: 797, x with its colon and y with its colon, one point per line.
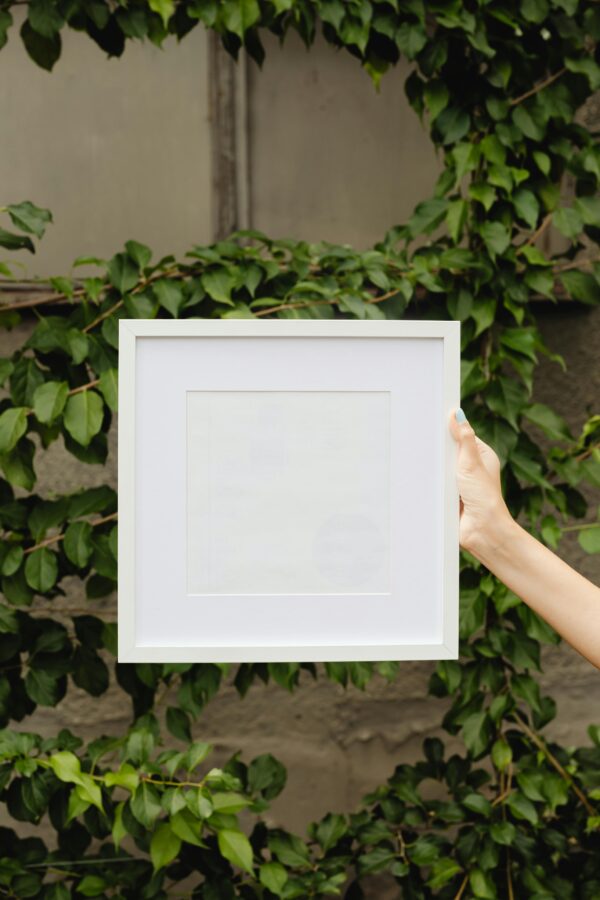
x: 462, y: 888
x: 302, y: 304
x: 538, y: 87
x: 102, y: 317
x: 68, y: 611
x: 580, y: 527
x: 575, y: 264
x: 77, y: 390
x: 537, y: 233
x: 59, y: 537
x: 587, y: 452
x: 511, y: 895
x: 555, y: 763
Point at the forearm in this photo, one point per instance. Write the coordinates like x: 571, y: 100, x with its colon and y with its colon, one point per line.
x: 562, y: 596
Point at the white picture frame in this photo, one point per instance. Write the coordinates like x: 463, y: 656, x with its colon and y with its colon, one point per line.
x: 287, y: 490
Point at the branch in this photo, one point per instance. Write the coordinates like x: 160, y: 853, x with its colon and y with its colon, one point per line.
x: 77, y: 390
x: 536, y: 234
x: 60, y: 537
x: 555, y: 763
x: 462, y: 888
x: 537, y: 88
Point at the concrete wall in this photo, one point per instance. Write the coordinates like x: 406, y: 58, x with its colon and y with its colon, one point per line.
x: 116, y: 148
x: 331, y: 159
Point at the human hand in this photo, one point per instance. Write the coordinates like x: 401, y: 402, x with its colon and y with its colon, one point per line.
x: 483, y: 512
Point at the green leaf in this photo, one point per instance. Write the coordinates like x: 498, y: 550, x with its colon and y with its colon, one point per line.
x: 589, y: 209
x: 482, y: 884
x: 238, y: 16
x: 522, y: 808
x: 29, y: 217
x: 8, y: 620
x: 13, y: 241
x: 507, y: 397
x: 442, y: 871
x: 453, y: 123
x: 140, y: 253
x: 178, y: 723
x: 43, y: 51
x: 549, y: 421
x: 484, y: 314
x: 13, y: 559
x: 436, y: 95
x: 476, y: 732
x: 501, y: 753
x: 186, y: 826
x: 109, y: 388
x: 126, y: 777
x: 529, y: 123
x: 49, y: 400
x: 503, y: 833
x: 66, y: 766
x: 118, y: 830
x: 218, y: 284
x: 41, y: 570
x: 45, y: 17
x: 581, y: 286
x: 123, y: 273
x: 91, y: 886
x: 83, y: 416
x: 13, y: 425
x: 523, y: 340
x: 330, y: 830
x: 273, y: 876
x: 164, y: 846
x: 456, y: 219
x: 169, y: 294
x: 77, y: 543
x: 477, y: 803
x: 427, y: 216
x: 496, y: 237
x: 6, y: 21
x: 568, y: 221
x: 145, y: 804
x: 589, y: 539
x: 267, y: 776
x: 42, y: 688
x: 235, y: 846
x: 164, y: 8
x: 587, y: 66
x: 527, y: 206
x: 18, y: 465
x: 411, y: 38
x: 484, y: 193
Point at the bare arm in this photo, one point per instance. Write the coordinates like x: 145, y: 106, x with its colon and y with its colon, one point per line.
x: 561, y: 595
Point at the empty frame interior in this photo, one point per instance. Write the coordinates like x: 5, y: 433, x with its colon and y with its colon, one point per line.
x: 288, y: 492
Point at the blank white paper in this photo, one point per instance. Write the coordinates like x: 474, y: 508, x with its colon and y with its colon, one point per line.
x: 288, y: 492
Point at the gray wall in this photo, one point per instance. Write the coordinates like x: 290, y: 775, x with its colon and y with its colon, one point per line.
x: 328, y: 158
x: 116, y: 148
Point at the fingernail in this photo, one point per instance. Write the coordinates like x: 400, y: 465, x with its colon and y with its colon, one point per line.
x: 460, y: 416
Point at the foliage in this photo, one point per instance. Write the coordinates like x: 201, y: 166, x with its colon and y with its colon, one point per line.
x: 498, y: 87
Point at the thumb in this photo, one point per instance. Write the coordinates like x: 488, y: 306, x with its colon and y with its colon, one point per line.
x: 463, y: 434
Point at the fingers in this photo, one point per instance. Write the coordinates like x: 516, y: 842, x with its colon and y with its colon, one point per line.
x: 463, y: 434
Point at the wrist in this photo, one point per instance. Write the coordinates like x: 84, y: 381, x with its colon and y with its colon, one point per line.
x: 495, y: 538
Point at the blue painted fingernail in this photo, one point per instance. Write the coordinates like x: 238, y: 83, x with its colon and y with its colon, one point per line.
x: 460, y: 416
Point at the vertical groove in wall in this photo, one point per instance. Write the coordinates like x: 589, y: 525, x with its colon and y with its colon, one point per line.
x: 242, y: 124
x: 229, y: 120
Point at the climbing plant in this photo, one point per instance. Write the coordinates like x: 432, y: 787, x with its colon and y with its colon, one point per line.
x: 145, y: 814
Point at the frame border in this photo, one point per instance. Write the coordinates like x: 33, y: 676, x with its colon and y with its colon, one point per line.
x: 129, y: 331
